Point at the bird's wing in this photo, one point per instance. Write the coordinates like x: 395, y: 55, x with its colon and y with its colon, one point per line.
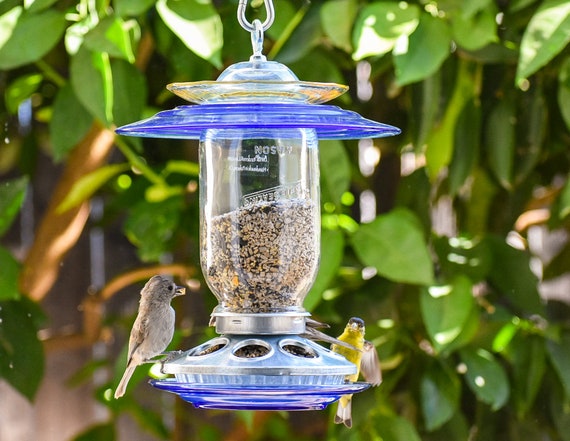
x: 370, y: 364
x: 313, y: 334
x: 315, y: 324
x: 137, y: 337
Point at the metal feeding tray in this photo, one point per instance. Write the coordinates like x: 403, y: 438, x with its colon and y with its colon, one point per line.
x: 269, y: 372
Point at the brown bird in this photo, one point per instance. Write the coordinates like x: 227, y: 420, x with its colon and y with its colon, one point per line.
x: 153, y: 328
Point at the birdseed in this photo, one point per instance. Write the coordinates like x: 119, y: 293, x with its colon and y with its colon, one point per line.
x: 262, y: 257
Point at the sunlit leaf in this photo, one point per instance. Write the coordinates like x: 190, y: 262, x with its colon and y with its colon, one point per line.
x: 197, y: 24
x: 12, y: 195
x: 69, y: 123
x: 446, y: 309
x: 547, y: 33
x: 461, y: 255
x: 113, y: 36
x: 485, y: 377
x: 440, y: 389
x: 394, y: 244
x: 337, y: 17
x: 37, y: 5
x: 475, y: 31
x: 440, y: 142
x: 380, y: 24
x: 89, y: 184
x: 33, y: 36
x: 20, y: 90
x: 422, y: 53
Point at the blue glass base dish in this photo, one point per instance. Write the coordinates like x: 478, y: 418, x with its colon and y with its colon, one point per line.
x: 256, y: 397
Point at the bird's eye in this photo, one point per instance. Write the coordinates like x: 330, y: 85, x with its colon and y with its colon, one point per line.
x: 170, y: 287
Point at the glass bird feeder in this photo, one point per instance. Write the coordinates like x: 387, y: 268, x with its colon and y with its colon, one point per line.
x: 259, y: 127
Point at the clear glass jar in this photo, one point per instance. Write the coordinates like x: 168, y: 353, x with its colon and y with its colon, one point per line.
x: 260, y: 217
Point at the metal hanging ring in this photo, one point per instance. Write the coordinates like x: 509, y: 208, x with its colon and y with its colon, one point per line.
x: 248, y: 26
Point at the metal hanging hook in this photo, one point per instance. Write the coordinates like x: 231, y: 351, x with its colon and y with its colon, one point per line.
x: 248, y: 26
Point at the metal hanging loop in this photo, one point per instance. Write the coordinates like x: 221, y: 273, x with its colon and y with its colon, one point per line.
x: 243, y: 21
x: 257, y: 38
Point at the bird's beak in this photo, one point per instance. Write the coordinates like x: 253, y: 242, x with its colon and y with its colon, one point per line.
x: 180, y: 291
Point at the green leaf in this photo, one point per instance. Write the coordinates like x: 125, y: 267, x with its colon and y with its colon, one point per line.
x: 182, y: 167
x: 89, y: 184
x: 475, y: 31
x: 547, y: 33
x: 197, y: 24
x: 485, y: 377
x: 8, y: 276
x: 380, y: 24
x: 21, y: 353
x: 500, y: 141
x: 20, y: 90
x: 394, y: 244
x: 512, y: 276
x: 564, y: 91
x: 102, y: 432
x: 463, y: 255
x: 563, y: 203
x: 395, y: 428
x: 113, y: 36
x: 467, y: 142
x: 440, y: 143
x: 445, y: 310
x: 150, y: 226
x: 12, y: 195
x: 70, y: 122
x: 91, y: 84
x: 422, y: 53
x: 335, y: 170
x: 440, y: 390
x: 129, y: 92
x: 37, y: 5
x: 337, y: 17
x: 130, y: 8
x: 559, y: 354
x: 332, y: 252
x: 33, y: 36
x: 425, y: 108
x: 527, y: 355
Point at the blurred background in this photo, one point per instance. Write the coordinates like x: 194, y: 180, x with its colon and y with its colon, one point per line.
x: 449, y: 240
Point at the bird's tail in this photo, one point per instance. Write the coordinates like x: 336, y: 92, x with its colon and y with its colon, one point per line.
x: 122, y: 387
x: 344, y: 412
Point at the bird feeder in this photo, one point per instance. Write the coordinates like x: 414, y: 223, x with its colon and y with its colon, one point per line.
x: 259, y: 128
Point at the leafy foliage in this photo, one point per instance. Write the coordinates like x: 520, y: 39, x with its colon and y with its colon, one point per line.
x: 481, y: 90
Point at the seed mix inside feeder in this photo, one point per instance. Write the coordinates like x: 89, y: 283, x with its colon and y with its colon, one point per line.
x: 259, y: 127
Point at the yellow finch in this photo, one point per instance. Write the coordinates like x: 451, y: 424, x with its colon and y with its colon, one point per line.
x: 366, y: 360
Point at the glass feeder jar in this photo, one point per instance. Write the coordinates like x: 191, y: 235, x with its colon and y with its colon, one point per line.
x: 260, y: 217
